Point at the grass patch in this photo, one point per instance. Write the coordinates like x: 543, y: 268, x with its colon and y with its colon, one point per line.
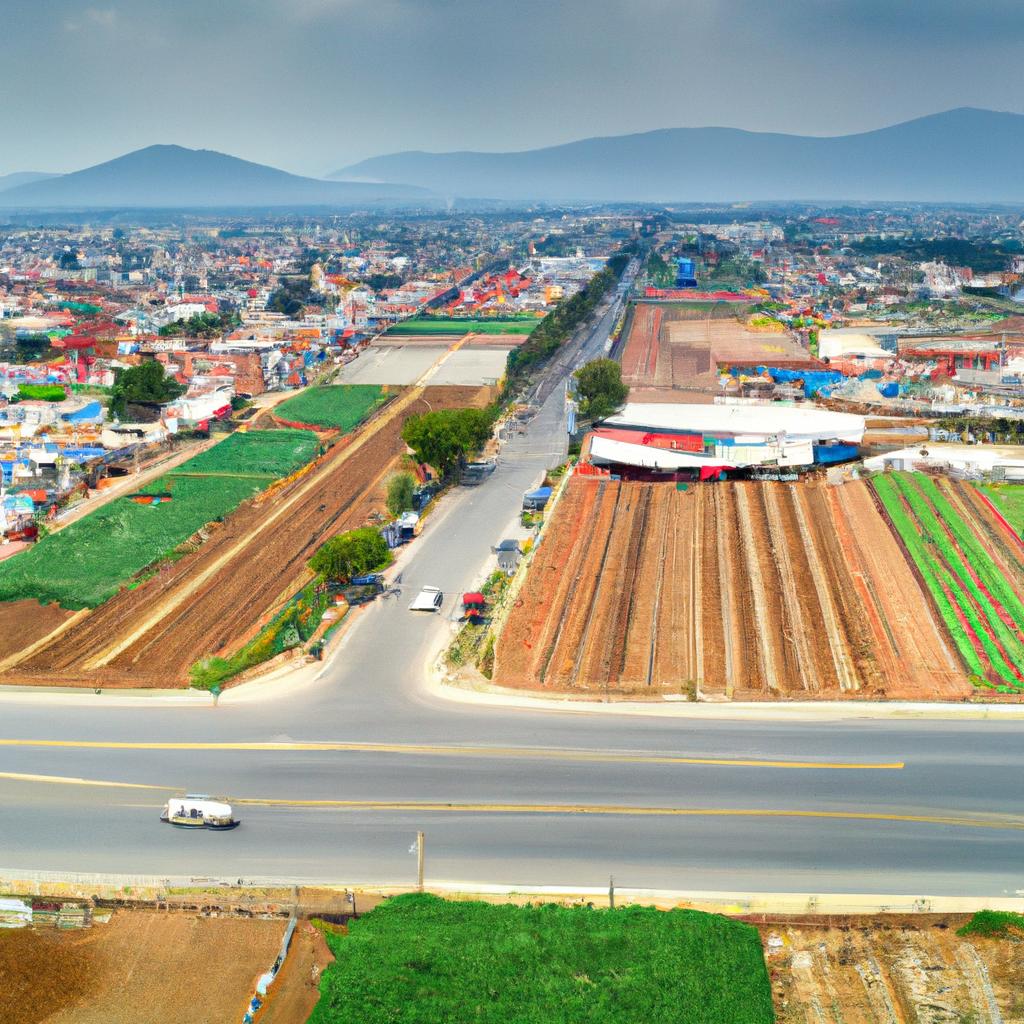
x: 1009, y: 499
x: 89, y: 561
x: 994, y: 924
x: 342, y: 406
x: 418, y: 959
x: 421, y: 325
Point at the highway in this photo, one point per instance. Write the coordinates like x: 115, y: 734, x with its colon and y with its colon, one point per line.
x: 333, y: 779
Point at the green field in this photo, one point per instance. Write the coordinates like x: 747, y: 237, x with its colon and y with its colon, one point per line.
x: 342, y: 406
x: 417, y: 959
x: 1009, y: 499
x: 89, y: 561
x: 967, y: 586
x: 419, y: 325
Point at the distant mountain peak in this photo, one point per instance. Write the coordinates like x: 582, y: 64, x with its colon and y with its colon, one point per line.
x: 168, y: 175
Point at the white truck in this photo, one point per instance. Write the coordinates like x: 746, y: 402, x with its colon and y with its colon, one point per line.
x: 429, y: 599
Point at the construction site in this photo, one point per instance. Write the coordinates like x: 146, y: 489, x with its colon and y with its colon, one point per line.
x: 892, y: 970
x: 234, y: 576
x: 734, y: 590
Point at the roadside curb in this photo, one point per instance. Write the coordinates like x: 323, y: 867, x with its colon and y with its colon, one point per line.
x: 147, y: 888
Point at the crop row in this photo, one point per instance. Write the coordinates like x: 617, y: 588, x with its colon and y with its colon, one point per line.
x: 341, y: 406
x: 981, y: 611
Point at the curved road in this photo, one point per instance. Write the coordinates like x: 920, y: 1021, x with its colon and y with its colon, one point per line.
x: 345, y: 769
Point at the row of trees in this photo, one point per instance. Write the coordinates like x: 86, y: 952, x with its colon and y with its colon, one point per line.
x: 560, y: 324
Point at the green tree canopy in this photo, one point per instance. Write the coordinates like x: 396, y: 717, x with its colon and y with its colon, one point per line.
x: 444, y: 438
x: 400, y: 493
x: 351, y: 554
x: 145, y: 384
x: 599, y: 384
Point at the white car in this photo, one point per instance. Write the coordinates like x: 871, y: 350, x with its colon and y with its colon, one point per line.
x: 429, y: 599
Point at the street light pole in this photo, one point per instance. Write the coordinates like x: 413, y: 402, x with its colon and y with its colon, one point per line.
x: 419, y: 860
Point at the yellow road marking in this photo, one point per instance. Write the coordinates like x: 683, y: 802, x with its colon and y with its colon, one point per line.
x: 1008, y: 822
x: 65, y: 780
x: 533, y: 753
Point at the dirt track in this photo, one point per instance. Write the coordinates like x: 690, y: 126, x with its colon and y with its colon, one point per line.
x: 736, y: 590
x: 213, y: 600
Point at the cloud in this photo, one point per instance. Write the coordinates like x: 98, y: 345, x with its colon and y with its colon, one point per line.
x: 93, y: 17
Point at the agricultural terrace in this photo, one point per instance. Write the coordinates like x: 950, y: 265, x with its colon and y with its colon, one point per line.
x: 1009, y: 501
x: 971, y: 565
x: 424, y: 325
x: 341, y: 406
x: 419, y: 959
x: 89, y: 561
x: 738, y: 590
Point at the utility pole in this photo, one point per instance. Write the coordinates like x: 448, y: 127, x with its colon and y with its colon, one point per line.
x: 419, y: 861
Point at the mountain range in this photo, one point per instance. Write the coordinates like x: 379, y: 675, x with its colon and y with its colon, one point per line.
x: 175, y: 177
x: 22, y: 178
x: 965, y: 155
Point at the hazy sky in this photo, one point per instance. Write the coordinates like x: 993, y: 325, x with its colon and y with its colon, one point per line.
x: 312, y: 85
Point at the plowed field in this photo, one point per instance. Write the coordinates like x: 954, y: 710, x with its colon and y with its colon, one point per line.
x: 734, y: 590
x: 214, y: 599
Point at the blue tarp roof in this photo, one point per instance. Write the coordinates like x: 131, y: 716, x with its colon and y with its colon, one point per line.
x: 91, y: 413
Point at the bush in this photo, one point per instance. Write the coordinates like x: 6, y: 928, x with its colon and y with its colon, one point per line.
x: 351, y: 554
x: 995, y: 924
x: 401, y: 488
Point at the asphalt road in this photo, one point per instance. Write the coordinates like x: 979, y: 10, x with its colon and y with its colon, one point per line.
x: 538, y: 797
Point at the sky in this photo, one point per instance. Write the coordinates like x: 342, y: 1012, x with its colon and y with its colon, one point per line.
x: 313, y: 85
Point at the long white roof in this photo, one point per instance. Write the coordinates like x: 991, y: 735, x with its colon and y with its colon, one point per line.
x: 649, y: 458
x: 796, y: 422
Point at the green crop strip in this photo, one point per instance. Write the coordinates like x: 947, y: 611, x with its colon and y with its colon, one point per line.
x: 417, y: 959
x: 342, y: 406
x: 89, y: 561
x: 923, y: 537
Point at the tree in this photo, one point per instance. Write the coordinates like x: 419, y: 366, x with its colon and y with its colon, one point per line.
x: 444, y: 438
x: 400, y: 492
x: 145, y: 384
x: 599, y: 385
x: 351, y: 554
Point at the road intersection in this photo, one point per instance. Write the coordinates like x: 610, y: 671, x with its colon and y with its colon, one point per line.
x: 334, y: 777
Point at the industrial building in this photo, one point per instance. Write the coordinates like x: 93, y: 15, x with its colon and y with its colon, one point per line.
x: 650, y: 440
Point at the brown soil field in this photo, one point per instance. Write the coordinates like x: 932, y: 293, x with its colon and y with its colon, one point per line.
x: 740, y: 590
x: 22, y: 623
x: 215, y: 599
x: 140, y: 968
x: 670, y: 348
x: 873, y: 971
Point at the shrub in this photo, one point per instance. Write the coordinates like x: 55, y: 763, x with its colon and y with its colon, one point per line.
x: 994, y: 924
x: 401, y: 488
x: 351, y: 554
